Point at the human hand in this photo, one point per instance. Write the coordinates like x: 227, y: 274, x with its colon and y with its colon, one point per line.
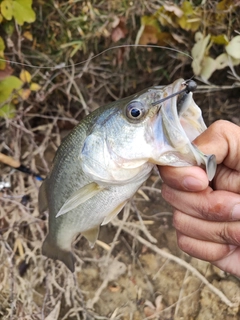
x: 207, y: 218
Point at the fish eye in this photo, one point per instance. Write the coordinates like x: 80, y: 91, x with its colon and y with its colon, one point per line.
x: 135, y: 110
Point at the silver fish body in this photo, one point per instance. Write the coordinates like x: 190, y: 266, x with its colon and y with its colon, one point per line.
x: 105, y: 159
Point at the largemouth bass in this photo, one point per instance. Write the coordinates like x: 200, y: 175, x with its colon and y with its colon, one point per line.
x: 109, y: 154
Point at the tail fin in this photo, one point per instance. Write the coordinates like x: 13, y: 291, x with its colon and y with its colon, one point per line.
x: 51, y: 250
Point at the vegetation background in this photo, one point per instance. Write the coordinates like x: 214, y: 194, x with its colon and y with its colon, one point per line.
x: 60, y: 60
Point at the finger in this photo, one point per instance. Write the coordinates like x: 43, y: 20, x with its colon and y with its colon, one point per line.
x: 222, y: 138
x: 227, y: 179
x: 204, y: 250
x: 212, y: 231
x: 184, y: 178
x: 231, y: 262
x: 215, y: 205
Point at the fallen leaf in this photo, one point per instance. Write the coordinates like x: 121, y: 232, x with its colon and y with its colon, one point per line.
x: 173, y: 8
x: 149, y: 312
x: 25, y: 76
x: 224, y: 5
x: 233, y: 48
x: 190, y: 19
x: 5, y: 69
x: 120, y: 31
x: 209, y: 65
x: 24, y: 93
x: 149, y: 31
x: 146, y: 35
x: 199, y: 51
x: 114, y: 288
x: 35, y: 87
x: 54, y: 314
x: 222, y: 61
x: 221, y: 39
x: 28, y: 35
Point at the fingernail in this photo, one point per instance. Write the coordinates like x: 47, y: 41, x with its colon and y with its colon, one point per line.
x: 192, y: 184
x: 236, y: 212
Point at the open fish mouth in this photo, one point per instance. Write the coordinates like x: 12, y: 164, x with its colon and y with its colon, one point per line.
x: 182, y: 122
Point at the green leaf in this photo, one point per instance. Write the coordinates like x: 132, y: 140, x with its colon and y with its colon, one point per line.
x: 7, y: 9
x: 187, y: 8
x: 220, y: 39
x: 23, y: 12
x: 2, y: 47
x: 7, y: 86
x: 8, y: 111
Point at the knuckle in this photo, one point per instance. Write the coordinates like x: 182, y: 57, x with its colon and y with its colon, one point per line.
x: 182, y: 243
x: 228, y: 234
x: 177, y: 220
x: 168, y: 194
x: 219, y: 126
x: 203, y: 207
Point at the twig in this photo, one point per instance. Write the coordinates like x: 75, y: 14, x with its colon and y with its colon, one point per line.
x: 182, y: 263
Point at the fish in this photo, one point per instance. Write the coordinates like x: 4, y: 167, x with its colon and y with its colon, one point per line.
x: 105, y: 159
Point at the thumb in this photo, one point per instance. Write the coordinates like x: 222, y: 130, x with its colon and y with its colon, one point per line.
x: 222, y: 138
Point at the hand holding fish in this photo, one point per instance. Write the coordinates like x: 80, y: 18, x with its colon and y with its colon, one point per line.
x: 207, y: 218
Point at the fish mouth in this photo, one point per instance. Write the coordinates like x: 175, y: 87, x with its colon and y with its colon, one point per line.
x: 182, y: 122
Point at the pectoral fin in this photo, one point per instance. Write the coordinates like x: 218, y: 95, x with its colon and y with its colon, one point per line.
x: 79, y: 197
x: 114, y: 213
x: 91, y: 235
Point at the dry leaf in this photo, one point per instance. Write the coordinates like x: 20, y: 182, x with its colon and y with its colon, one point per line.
x: 233, y: 48
x: 35, y: 87
x: 222, y: 61
x: 149, y: 31
x: 28, y: 35
x: 54, y: 314
x: 114, y: 287
x: 6, y: 71
x: 24, y: 93
x: 120, y: 31
x: 146, y: 35
x: 149, y: 312
x: 220, y: 39
x: 173, y: 8
x: 209, y: 65
x: 25, y: 76
x: 199, y: 50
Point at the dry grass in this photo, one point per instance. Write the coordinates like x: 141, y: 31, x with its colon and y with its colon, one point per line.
x: 124, y: 274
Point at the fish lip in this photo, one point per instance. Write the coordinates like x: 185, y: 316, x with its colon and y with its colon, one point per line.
x: 181, y: 98
x: 182, y: 122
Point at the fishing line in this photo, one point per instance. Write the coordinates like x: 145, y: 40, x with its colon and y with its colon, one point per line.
x: 97, y: 55
x: 190, y: 87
